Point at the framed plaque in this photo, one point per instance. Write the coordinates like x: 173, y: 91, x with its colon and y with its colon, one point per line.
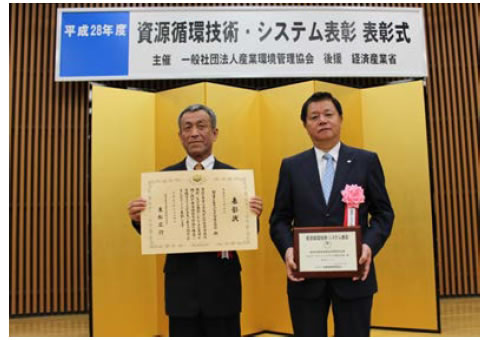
x: 327, y: 252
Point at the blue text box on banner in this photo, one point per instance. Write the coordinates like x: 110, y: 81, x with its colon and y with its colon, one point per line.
x: 94, y: 44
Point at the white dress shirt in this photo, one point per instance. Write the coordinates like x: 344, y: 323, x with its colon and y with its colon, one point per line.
x: 208, y: 163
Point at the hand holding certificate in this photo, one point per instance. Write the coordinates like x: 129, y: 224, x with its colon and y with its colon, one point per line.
x: 198, y: 211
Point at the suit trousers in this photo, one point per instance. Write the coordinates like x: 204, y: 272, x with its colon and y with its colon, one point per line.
x: 351, y: 317
x: 200, y: 326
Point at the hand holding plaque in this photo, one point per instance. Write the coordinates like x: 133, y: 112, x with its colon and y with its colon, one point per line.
x: 334, y: 252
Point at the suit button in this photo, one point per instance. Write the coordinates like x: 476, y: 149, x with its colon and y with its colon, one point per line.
x: 327, y: 214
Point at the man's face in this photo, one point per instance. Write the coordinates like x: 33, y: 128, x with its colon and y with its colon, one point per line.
x: 323, y: 122
x: 197, y: 135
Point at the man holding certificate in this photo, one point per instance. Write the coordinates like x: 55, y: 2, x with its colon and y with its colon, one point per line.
x: 202, y: 289
x: 309, y: 195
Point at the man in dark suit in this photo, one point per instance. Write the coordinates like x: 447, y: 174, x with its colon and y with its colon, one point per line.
x: 308, y: 194
x: 202, y: 290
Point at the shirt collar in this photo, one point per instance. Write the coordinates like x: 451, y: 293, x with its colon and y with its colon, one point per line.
x: 208, y: 163
x: 334, y: 152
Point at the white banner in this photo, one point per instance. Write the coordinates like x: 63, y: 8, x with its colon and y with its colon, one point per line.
x: 248, y: 42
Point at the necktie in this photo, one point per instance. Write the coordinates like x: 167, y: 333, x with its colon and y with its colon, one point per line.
x: 328, y: 175
x: 221, y: 254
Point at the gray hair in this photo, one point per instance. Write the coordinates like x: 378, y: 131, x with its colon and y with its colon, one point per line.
x: 197, y: 107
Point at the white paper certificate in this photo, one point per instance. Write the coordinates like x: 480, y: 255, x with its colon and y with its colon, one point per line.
x: 327, y: 252
x: 197, y: 211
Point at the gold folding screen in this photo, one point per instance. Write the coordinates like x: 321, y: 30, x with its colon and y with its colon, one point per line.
x: 257, y: 130
x: 393, y: 124
x: 124, y: 293
x: 49, y: 155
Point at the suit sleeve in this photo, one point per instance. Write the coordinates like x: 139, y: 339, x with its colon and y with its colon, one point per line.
x: 282, y: 213
x: 136, y: 226
x: 379, y: 207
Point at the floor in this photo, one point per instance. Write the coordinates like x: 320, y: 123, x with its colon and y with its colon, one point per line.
x: 459, y: 317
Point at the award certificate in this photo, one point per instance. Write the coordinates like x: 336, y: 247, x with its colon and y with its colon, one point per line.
x: 197, y: 211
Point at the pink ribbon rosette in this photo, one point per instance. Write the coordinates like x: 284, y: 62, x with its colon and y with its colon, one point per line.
x: 352, y: 196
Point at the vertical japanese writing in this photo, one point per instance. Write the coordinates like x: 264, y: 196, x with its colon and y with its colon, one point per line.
x: 182, y: 214
x: 174, y: 209
x: 165, y: 210
x: 192, y: 230
x: 215, y: 215
x: 198, y: 212
x: 160, y: 220
x: 234, y: 210
x: 204, y: 216
x: 193, y: 213
x: 224, y: 201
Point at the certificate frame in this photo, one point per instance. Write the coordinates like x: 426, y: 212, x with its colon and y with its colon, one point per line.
x: 322, y: 230
x: 191, y: 211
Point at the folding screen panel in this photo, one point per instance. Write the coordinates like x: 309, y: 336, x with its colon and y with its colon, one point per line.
x: 394, y: 126
x: 124, y: 284
x: 283, y: 135
x: 239, y: 144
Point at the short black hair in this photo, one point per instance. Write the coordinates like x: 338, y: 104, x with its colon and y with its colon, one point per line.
x: 318, y: 97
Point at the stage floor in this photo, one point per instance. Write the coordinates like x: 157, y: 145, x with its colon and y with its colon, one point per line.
x: 459, y: 317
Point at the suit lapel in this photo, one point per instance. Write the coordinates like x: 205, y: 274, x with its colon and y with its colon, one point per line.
x: 181, y: 165
x: 311, y: 172
x: 218, y: 164
x: 344, y: 165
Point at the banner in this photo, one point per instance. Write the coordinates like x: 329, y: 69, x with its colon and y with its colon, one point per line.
x: 239, y: 42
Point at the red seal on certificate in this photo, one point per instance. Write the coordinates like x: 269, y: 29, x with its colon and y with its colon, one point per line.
x: 352, y: 196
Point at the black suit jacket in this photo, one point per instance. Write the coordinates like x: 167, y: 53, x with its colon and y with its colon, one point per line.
x: 201, y: 283
x: 299, y: 202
